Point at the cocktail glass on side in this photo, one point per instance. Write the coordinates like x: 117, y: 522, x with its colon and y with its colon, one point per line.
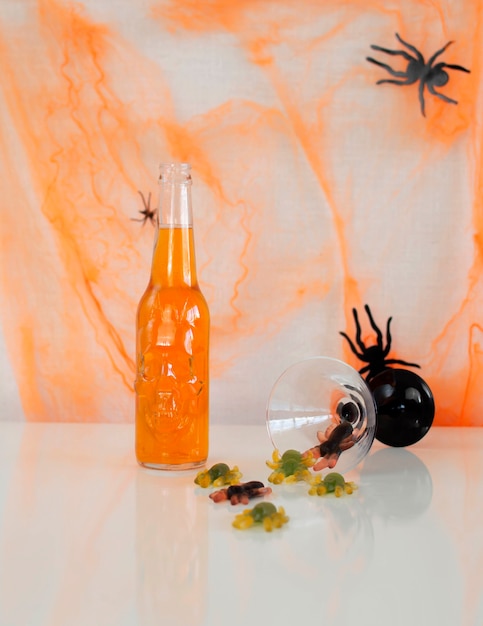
x: 322, y: 404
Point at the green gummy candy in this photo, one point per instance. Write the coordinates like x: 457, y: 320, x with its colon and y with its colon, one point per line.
x: 220, y: 469
x: 290, y: 455
x: 333, y: 480
x: 262, y: 510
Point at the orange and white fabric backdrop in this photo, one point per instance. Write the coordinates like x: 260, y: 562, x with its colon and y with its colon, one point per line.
x: 316, y: 190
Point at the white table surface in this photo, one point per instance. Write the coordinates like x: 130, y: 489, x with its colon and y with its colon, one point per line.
x: 89, y: 538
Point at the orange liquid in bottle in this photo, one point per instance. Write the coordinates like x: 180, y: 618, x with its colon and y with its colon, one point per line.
x: 172, y: 389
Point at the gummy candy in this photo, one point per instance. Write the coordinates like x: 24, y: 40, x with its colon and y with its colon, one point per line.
x: 291, y: 467
x: 263, y: 514
x: 331, y: 483
x: 241, y: 493
x: 218, y: 475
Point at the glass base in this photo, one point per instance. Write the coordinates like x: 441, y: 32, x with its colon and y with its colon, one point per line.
x: 173, y: 467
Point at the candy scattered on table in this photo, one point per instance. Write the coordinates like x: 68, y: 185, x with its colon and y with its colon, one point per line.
x: 291, y: 467
x: 332, y: 483
x: 263, y: 514
x: 218, y: 475
x: 242, y: 493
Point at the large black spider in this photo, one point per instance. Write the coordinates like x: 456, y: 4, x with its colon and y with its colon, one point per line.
x: 148, y: 213
x: 374, y: 355
x: 404, y: 402
x: 417, y: 69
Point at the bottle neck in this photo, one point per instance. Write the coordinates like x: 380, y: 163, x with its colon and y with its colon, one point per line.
x: 175, y: 196
x: 174, y: 262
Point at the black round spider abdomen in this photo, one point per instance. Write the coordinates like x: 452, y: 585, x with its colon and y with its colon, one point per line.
x: 405, y: 407
x: 437, y: 78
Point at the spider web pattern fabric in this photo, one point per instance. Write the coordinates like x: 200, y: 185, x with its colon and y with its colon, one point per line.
x: 316, y: 191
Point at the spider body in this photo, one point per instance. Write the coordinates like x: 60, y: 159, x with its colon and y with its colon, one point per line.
x: 404, y: 402
x: 242, y: 493
x: 375, y: 356
x: 148, y: 213
x: 429, y: 76
x: 333, y: 442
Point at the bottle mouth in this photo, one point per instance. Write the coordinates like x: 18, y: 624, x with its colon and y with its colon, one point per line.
x: 175, y: 172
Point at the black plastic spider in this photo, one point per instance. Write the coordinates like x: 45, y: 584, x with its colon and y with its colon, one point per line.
x: 404, y: 402
x: 417, y: 69
x: 375, y: 355
x: 148, y: 213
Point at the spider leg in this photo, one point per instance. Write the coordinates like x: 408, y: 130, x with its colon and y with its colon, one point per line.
x: 359, y: 341
x: 389, y: 69
x: 346, y: 445
x: 359, y: 355
x: 147, y: 205
x: 421, y: 97
x: 432, y: 90
x: 374, y: 326
x: 400, y: 362
x: 323, y: 463
x: 388, y: 337
x: 396, y: 82
x: 418, y: 54
x: 436, y: 54
x: 455, y: 67
x: 394, y: 53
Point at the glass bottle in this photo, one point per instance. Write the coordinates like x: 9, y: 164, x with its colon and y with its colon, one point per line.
x: 172, y: 339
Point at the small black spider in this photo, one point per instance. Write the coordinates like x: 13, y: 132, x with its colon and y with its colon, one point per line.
x: 374, y: 355
x: 417, y: 69
x: 148, y: 213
